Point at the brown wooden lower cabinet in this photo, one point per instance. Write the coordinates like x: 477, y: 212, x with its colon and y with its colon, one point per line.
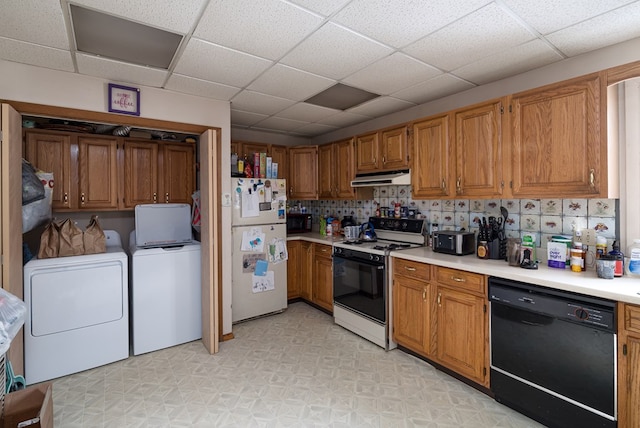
x: 310, y: 273
x: 628, y: 366
x: 441, y: 314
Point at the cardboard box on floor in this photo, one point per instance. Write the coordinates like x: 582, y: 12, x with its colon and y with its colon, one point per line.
x: 31, y: 407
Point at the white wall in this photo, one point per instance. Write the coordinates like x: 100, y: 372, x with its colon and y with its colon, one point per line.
x: 37, y: 85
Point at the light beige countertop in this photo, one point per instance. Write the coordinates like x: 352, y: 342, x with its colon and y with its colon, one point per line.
x: 625, y: 289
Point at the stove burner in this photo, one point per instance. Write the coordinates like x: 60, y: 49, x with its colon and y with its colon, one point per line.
x: 391, y: 247
x: 358, y: 241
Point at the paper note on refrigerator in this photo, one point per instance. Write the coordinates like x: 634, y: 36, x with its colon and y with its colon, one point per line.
x: 250, y: 203
x: 263, y: 283
x: 278, y: 250
x: 253, y: 240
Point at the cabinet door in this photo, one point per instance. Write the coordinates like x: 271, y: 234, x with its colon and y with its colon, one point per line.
x: 280, y: 155
x: 326, y: 185
x: 177, y: 170
x: 557, y: 141
x: 140, y: 173
x: 293, y: 269
x: 367, y: 153
x: 412, y: 314
x: 628, y: 365
x: 306, y: 270
x: 461, y: 334
x: 250, y: 149
x: 432, y: 160
x: 478, y: 142
x: 323, y: 277
x: 97, y: 173
x: 52, y: 153
x: 394, y: 149
x: 303, y: 180
x: 344, y: 164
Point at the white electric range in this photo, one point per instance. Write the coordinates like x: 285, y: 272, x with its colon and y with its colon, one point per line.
x: 361, y: 287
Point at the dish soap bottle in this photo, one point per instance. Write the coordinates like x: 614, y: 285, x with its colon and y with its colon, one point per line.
x: 619, y: 267
x: 633, y: 267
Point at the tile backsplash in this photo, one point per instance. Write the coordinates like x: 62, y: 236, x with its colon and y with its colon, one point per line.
x: 542, y: 217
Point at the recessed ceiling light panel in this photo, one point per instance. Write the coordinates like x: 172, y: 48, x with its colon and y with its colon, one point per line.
x: 116, y: 38
x: 341, y: 97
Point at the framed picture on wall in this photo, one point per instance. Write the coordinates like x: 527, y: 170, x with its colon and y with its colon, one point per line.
x: 123, y: 99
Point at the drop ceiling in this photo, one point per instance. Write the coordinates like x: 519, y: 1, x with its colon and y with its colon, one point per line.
x: 267, y: 57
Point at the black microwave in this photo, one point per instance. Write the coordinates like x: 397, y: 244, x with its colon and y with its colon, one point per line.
x: 298, y: 223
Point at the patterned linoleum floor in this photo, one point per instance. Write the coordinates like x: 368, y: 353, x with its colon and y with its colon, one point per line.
x: 295, y: 369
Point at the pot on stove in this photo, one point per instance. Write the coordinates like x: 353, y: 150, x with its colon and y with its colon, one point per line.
x: 367, y: 232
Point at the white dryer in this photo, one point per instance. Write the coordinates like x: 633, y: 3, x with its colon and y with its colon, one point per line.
x: 77, y: 312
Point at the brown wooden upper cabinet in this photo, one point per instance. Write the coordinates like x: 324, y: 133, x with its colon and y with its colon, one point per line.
x: 336, y: 170
x: 432, y: 172
x: 85, y: 168
x: 478, y: 150
x: 557, y: 140
x: 158, y: 173
x: 303, y: 171
x: 382, y: 150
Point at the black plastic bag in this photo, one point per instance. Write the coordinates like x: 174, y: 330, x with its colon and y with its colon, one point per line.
x: 32, y: 187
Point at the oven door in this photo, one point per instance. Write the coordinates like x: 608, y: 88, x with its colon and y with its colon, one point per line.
x: 359, y: 286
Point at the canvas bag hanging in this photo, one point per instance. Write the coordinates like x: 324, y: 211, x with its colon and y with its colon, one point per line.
x: 71, y: 239
x: 93, y: 238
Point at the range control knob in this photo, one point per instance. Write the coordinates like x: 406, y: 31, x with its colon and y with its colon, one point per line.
x: 338, y: 250
x: 581, y: 314
x: 374, y: 257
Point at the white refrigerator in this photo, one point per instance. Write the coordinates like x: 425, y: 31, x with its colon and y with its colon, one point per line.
x: 259, y: 248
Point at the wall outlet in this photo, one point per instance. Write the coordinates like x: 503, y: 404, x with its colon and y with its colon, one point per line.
x: 586, y: 236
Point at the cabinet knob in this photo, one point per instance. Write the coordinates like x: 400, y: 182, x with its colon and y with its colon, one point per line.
x: 439, y: 298
x: 82, y: 198
x: 410, y: 269
x: 444, y: 185
x: 424, y: 294
x: 459, y: 185
x: 66, y: 197
x: 155, y: 198
x: 457, y: 279
x: 166, y: 197
x: 592, y: 177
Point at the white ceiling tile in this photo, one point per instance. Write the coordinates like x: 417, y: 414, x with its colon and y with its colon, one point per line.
x: 324, y: 7
x: 202, y: 88
x: 552, y: 15
x: 218, y: 64
x: 404, y: 71
x: 335, y: 52
x: 438, y: 87
x: 307, y: 112
x: 28, y: 53
x: 246, y: 118
x: 259, y: 103
x: 344, y: 118
x: 120, y: 71
x: 513, y: 61
x: 604, y: 30
x: 267, y: 28
x: 280, y: 123
x: 314, y: 129
x: 399, y: 22
x: 40, y: 22
x: 381, y: 106
x: 173, y: 15
x: 287, y: 82
x: 475, y: 36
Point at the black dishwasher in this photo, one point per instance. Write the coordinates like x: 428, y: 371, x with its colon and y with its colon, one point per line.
x: 553, y: 354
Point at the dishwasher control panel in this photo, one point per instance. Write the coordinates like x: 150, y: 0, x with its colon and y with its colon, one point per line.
x: 557, y: 304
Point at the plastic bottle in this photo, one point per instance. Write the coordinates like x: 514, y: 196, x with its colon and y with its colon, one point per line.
x: 619, y: 269
x: 601, y: 246
x: 633, y: 267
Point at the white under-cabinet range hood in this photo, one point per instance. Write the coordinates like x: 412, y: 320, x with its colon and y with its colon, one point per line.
x: 386, y: 178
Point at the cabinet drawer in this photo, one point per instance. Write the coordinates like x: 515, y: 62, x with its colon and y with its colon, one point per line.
x: 322, y: 250
x: 420, y: 271
x: 632, y: 318
x: 460, y: 279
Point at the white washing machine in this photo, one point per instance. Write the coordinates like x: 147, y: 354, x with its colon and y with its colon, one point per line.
x: 77, y: 312
x: 166, y: 296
